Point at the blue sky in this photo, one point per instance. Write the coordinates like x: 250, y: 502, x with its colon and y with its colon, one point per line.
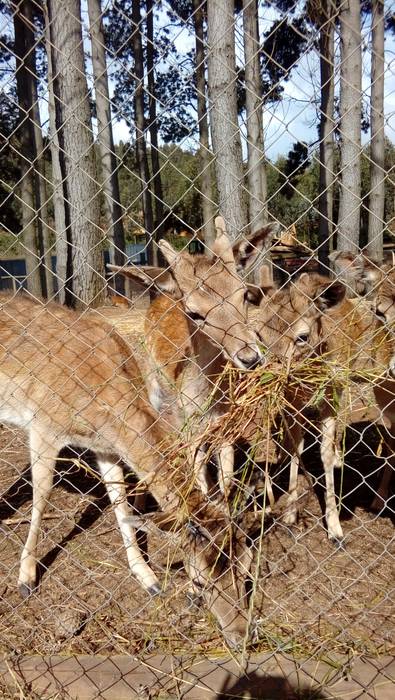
x: 295, y: 117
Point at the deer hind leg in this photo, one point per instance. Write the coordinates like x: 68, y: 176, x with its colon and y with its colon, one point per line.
x: 112, y: 474
x: 296, y: 439
x: 43, y: 454
x: 329, y: 461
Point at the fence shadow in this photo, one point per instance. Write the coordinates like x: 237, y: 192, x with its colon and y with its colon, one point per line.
x: 71, y: 478
x: 358, y: 481
x: 257, y: 687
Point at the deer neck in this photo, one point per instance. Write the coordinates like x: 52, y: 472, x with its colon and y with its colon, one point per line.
x: 208, y: 359
x: 199, y: 381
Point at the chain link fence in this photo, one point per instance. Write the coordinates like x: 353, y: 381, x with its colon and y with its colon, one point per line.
x: 197, y: 311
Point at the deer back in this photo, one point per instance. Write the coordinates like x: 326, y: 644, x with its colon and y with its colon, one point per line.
x: 68, y: 372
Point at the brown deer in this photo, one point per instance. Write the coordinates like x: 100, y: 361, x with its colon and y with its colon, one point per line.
x: 72, y: 380
x: 289, y: 321
x: 350, y: 336
x: 377, y: 347
x: 196, y: 324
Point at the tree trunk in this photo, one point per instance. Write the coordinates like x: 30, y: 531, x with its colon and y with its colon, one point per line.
x: 141, y: 149
x: 75, y: 125
x: 350, y: 125
x: 377, y: 143
x: 256, y: 169
x: 326, y: 133
x: 44, y: 229
x: 61, y: 228
x: 24, y: 52
x: 109, y: 174
x: 153, y: 131
x: 205, y: 156
x: 225, y: 133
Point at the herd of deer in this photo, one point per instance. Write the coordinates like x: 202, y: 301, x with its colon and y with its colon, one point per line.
x: 70, y: 379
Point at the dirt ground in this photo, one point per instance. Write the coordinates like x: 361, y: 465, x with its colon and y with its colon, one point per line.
x: 309, y: 597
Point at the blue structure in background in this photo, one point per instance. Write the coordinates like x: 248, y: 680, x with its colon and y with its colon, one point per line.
x: 13, y: 270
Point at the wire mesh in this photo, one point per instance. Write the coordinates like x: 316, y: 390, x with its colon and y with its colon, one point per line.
x: 197, y: 358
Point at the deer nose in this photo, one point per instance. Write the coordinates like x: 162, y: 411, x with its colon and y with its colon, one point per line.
x: 249, y: 358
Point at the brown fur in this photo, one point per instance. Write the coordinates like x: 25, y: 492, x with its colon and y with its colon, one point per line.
x: 290, y: 324
x: 73, y: 380
x: 378, y: 339
x: 168, y: 338
x: 119, y: 300
x: 190, y: 353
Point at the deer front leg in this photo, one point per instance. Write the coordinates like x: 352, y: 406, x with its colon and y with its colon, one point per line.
x: 200, y: 469
x: 296, y: 440
x: 43, y: 454
x: 112, y: 475
x: 329, y: 461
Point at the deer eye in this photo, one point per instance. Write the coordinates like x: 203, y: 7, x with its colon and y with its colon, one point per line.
x: 198, y: 318
x: 380, y: 315
x: 302, y: 339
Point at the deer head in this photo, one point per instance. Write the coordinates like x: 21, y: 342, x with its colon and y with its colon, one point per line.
x: 289, y: 318
x: 357, y: 270
x: 217, y: 557
x: 375, y: 281
x: 211, y: 291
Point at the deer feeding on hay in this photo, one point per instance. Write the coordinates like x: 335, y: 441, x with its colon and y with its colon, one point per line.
x: 289, y: 321
x: 348, y: 337
x: 72, y: 380
x: 195, y: 326
x: 313, y: 317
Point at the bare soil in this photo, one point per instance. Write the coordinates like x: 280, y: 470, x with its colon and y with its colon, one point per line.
x: 308, y: 597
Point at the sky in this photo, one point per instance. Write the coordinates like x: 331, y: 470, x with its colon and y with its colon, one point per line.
x: 295, y: 118
x: 292, y: 119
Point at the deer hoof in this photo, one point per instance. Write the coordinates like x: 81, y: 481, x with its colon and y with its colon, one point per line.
x: 338, y: 543
x: 154, y: 590
x: 26, y: 589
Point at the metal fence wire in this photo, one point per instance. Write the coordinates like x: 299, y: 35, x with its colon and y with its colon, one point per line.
x: 197, y: 357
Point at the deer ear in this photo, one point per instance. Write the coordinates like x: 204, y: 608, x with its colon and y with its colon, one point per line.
x: 322, y: 291
x: 346, y: 264
x: 254, y: 294
x: 169, y: 253
x: 156, y: 277
x: 357, y: 269
x: 221, y: 247
x: 247, y: 250
x: 329, y: 294
x: 372, y: 272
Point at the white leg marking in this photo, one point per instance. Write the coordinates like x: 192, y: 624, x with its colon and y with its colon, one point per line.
x: 328, y: 457
x: 226, y: 460
x: 112, y: 475
x: 297, y: 446
x: 43, y: 455
x: 200, y: 469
